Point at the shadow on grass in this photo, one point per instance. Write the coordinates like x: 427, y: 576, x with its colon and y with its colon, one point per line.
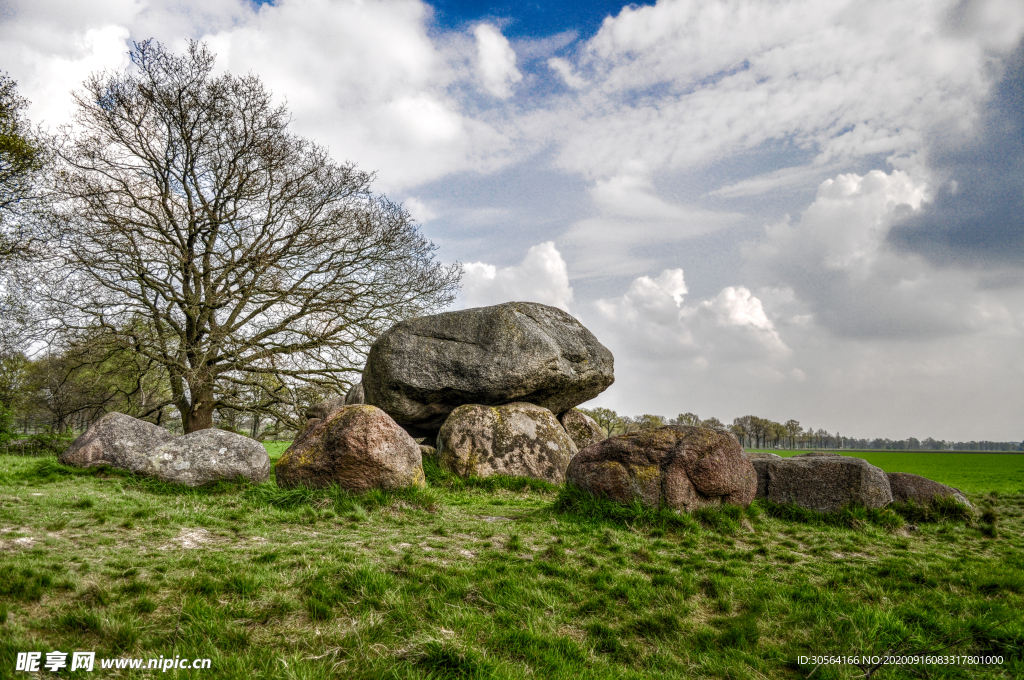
x: 437, y: 476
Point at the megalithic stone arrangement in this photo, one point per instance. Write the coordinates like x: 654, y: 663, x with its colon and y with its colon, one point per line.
x: 492, y: 391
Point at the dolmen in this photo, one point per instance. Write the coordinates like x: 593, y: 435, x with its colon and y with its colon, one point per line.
x: 126, y: 443
x: 484, y: 391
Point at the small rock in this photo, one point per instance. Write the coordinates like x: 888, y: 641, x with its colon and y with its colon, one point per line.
x: 682, y: 466
x: 321, y: 410
x: 583, y: 430
x: 357, y: 447
x: 145, y: 449
x: 355, y: 395
x: 518, y: 439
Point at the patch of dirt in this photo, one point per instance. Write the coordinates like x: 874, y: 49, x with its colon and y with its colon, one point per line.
x: 489, y: 518
x: 190, y: 539
x: 18, y: 543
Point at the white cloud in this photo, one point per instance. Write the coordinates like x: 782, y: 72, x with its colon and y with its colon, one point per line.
x: 541, y: 277
x: 565, y: 71
x: 496, y: 61
x: 363, y: 78
x: 837, y: 259
x: 420, y: 211
x: 685, y: 83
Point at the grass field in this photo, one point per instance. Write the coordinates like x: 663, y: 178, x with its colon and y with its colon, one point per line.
x: 970, y: 472
x: 491, y: 578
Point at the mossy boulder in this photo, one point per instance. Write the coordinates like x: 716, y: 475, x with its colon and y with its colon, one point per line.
x: 517, y: 439
x: 684, y: 467
x: 422, y: 369
x: 907, y: 487
x: 357, y: 447
x: 117, y: 440
x: 206, y: 456
x: 582, y: 429
x: 825, y: 482
x: 127, y: 443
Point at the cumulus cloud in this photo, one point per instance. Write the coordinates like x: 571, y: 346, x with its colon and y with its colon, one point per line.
x: 652, y: 317
x: 365, y: 79
x: 681, y: 83
x: 739, y: 353
x: 837, y: 259
x: 541, y: 277
x: 565, y: 71
x: 496, y: 61
x: 976, y: 217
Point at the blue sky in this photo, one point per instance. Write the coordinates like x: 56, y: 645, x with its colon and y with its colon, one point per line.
x: 796, y: 209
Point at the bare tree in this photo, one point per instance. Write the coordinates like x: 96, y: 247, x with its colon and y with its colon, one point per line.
x: 200, y: 233
x: 22, y: 157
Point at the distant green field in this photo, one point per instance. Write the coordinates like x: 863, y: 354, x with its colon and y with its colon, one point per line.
x: 972, y: 473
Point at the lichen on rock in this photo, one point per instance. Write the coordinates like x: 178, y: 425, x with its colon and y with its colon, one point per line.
x: 517, y: 439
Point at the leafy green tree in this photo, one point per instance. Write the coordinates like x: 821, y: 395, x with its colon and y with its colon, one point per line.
x: 607, y: 419
x: 793, y: 431
x: 691, y: 419
x: 713, y: 423
x: 649, y: 422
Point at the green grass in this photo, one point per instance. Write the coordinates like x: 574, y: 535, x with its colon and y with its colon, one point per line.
x: 498, y: 578
x: 275, y: 448
x: 970, y: 472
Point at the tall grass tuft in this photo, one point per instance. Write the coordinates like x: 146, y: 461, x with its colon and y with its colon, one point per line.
x: 939, y: 509
x: 583, y: 506
x: 851, y: 517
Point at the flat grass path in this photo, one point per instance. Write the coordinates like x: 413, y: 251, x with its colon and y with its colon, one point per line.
x: 489, y: 578
x: 974, y: 473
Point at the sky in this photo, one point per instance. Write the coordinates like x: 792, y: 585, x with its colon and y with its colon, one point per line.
x: 799, y: 209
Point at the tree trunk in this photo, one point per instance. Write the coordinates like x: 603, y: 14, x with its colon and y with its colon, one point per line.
x: 199, y: 416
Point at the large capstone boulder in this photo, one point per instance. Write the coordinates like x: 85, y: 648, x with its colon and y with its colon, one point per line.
x: 583, y: 430
x: 921, y: 490
x: 355, y: 395
x: 518, y: 439
x: 356, y: 447
x: 422, y: 369
x: 825, y: 482
x: 682, y: 466
x: 206, y: 456
x: 117, y: 440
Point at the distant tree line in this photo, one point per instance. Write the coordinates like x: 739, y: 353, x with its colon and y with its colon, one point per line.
x: 761, y: 433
